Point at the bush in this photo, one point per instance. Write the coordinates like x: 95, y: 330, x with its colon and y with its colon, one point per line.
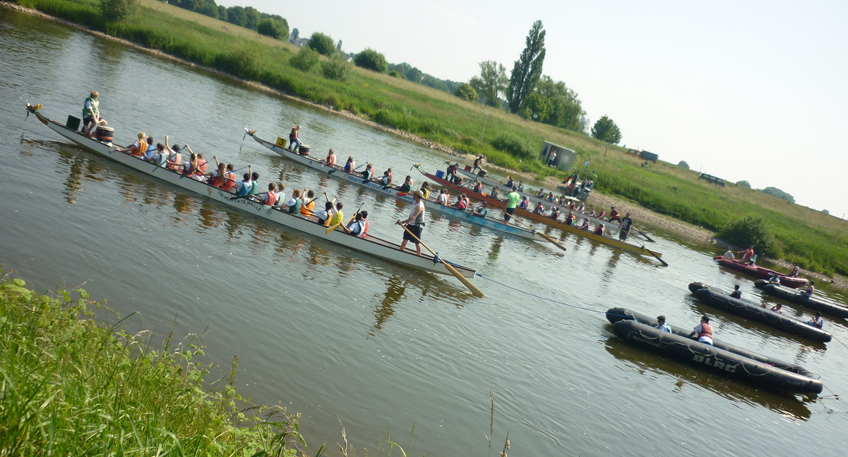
x: 683, y: 164
x: 397, y: 74
x: 305, y: 60
x: 466, y: 92
x: 751, y: 231
x: 273, y: 28
x: 242, y: 62
x: 335, y: 68
x: 744, y: 183
x: 117, y: 10
x: 371, y: 60
x: 322, y: 43
x: 513, y: 145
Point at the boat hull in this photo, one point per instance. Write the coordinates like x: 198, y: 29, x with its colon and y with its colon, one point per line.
x: 713, y: 359
x: 754, y: 312
x: 392, y: 191
x: 370, y: 245
x: 760, y: 272
x: 791, y: 295
x: 493, y: 202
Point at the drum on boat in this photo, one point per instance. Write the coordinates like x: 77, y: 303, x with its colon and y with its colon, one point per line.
x: 105, y: 133
x: 303, y: 149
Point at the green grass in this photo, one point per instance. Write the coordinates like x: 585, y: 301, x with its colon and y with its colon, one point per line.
x: 73, y: 386
x: 811, y: 238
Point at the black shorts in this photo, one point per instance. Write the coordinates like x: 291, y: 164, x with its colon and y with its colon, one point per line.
x: 87, y: 120
x: 416, y: 230
x: 622, y: 235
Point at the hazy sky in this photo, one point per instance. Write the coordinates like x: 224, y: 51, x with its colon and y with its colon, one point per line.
x: 752, y: 90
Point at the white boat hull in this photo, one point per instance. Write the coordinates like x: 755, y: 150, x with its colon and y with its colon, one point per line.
x: 431, y: 205
x: 371, y: 245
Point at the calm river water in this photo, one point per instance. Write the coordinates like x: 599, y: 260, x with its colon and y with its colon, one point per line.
x: 332, y: 333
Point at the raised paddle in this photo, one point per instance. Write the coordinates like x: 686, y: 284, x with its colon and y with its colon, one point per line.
x: 333, y: 227
x: 547, y: 237
x: 655, y: 256
x: 643, y: 234
x: 474, y: 290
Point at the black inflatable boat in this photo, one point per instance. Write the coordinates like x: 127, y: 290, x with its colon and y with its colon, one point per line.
x: 723, y: 359
x: 817, y: 303
x: 752, y: 311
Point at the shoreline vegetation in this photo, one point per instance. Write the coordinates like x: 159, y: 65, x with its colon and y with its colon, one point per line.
x: 74, y: 385
x: 663, y: 195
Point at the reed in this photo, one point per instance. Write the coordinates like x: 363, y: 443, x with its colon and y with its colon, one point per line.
x: 74, y: 386
x: 811, y: 238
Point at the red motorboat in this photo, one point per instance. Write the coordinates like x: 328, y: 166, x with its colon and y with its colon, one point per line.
x: 761, y: 272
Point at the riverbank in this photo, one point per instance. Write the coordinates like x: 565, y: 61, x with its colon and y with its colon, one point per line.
x: 74, y: 385
x: 445, y: 123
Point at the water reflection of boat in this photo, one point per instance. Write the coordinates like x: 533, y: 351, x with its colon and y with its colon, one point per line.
x: 719, y: 358
x: 371, y: 245
x: 785, y: 405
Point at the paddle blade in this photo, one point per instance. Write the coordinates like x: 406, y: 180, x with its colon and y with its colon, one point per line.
x: 474, y: 290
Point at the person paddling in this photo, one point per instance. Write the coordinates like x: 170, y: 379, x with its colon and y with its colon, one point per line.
x: 138, y: 148
x: 414, y: 223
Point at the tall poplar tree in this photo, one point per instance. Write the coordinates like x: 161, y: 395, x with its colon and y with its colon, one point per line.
x: 527, y: 69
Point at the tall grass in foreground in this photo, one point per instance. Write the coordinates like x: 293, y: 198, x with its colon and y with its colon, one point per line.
x: 73, y: 387
x: 817, y: 241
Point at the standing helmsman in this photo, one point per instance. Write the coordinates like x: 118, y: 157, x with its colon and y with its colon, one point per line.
x: 91, y: 114
x: 414, y: 223
x: 625, y: 227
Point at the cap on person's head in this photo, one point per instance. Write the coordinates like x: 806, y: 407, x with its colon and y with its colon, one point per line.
x: 418, y: 194
x: 705, y: 318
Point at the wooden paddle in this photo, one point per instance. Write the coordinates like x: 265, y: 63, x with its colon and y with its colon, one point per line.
x: 474, y: 290
x: 547, y: 237
x: 643, y: 234
x: 655, y: 256
x: 333, y: 227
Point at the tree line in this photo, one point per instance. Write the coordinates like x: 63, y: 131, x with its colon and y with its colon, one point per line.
x: 248, y: 17
x: 532, y: 95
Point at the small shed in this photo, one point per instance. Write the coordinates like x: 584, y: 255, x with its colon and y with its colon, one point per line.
x: 645, y: 155
x: 563, y: 160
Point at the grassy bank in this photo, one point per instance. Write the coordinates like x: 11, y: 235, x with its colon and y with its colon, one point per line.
x: 73, y: 386
x: 815, y: 240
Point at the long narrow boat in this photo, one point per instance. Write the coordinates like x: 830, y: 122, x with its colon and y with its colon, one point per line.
x: 752, y: 311
x: 371, y: 245
x: 495, y: 203
x: 761, y: 272
x: 725, y: 360
x: 394, y: 191
x: 817, y: 303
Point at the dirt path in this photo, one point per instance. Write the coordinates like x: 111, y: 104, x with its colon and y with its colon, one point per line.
x: 643, y: 218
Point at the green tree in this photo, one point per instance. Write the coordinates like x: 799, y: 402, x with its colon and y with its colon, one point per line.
x: 397, y: 74
x: 466, y: 92
x: 414, y: 75
x: 683, y: 164
x: 371, y: 60
x: 335, y: 68
x: 295, y: 34
x: 779, y: 194
x: 536, y: 107
x: 606, y: 130
x: 527, y: 69
x: 251, y: 18
x: 564, y: 107
x: 236, y: 16
x: 222, y: 13
x: 305, y: 60
x: 117, y: 10
x: 322, y: 43
x: 491, y: 83
x: 273, y: 28
x: 209, y: 8
x: 744, y: 183
x: 751, y: 231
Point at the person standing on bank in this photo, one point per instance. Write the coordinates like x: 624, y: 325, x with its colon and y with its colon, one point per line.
x: 91, y: 114
x: 294, y: 137
x: 414, y: 223
x: 625, y: 227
